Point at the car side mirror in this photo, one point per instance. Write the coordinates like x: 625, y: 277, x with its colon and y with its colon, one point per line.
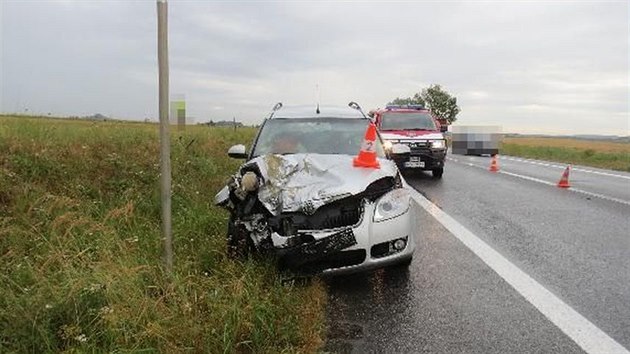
x: 400, y: 149
x: 237, y: 152
x: 443, y: 128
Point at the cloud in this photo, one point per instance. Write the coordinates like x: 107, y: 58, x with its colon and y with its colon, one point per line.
x: 530, y: 66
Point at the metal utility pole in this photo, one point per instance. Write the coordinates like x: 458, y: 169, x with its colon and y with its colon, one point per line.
x: 165, y: 142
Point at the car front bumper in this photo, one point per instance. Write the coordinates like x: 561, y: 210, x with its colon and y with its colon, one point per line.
x: 431, y: 159
x: 374, y: 246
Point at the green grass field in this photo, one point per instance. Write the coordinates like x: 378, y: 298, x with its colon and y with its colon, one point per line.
x: 602, y: 154
x: 81, y: 250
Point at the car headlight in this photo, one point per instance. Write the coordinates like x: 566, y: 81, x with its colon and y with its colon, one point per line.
x: 387, y: 145
x: 392, y: 204
x: 438, y: 144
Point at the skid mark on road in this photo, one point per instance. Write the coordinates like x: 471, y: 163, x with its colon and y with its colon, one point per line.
x: 583, y: 332
x: 538, y: 180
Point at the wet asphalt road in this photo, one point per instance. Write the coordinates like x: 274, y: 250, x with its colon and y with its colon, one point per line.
x: 576, y: 245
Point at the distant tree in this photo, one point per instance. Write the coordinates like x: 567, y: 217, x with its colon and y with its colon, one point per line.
x: 416, y: 99
x: 435, y: 98
x: 441, y: 103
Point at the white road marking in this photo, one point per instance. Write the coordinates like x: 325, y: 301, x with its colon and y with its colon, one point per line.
x: 601, y: 196
x: 547, y: 164
x: 533, y: 179
x: 583, y: 332
x: 538, y: 180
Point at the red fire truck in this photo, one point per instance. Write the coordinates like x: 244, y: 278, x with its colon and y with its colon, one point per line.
x: 416, y: 127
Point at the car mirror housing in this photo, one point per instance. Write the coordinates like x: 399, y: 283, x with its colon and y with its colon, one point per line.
x: 237, y: 152
x: 443, y: 128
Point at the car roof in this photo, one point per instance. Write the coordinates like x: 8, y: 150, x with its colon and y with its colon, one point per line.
x: 309, y: 111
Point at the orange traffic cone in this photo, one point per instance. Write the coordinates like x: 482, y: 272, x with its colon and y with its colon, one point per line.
x: 564, y: 180
x: 494, y: 165
x: 367, y: 154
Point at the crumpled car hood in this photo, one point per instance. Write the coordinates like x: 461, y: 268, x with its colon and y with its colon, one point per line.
x: 305, y: 182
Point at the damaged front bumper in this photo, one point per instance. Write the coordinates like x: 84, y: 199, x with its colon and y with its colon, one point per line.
x: 371, y: 245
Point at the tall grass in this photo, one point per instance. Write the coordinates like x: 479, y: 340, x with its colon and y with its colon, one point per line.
x: 609, y: 155
x: 81, y: 251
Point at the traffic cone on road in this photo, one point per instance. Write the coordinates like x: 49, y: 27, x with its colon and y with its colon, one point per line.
x: 494, y: 165
x: 564, y: 180
x: 367, y: 154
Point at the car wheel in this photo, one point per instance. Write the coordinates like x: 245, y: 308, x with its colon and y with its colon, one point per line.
x: 438, y: 172
x: 239, y: 245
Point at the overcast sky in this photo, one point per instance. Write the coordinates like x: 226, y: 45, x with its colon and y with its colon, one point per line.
x: 530, y: 66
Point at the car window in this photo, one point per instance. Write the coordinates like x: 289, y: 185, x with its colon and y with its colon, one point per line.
x: 407, y: 121
x: 315, y: 136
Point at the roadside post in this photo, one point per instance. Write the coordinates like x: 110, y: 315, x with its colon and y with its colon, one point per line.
x: 165, y: 147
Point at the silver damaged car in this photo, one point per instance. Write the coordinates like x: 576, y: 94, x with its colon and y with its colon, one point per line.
x: 298, y: 196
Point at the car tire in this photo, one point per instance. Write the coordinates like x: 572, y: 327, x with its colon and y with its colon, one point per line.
x: 239, y: 245
x: 438, y: 172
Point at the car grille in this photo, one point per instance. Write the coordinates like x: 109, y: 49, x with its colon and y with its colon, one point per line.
x: 420, y: 151
x: 345, y: 212
x: 336, y: 260
x: 342, y: 213
x: 419, y: 145
x: 380, y: 250
x: 345, y: 218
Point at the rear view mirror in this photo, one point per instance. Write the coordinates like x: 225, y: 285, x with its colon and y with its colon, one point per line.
x: 237, y: 152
